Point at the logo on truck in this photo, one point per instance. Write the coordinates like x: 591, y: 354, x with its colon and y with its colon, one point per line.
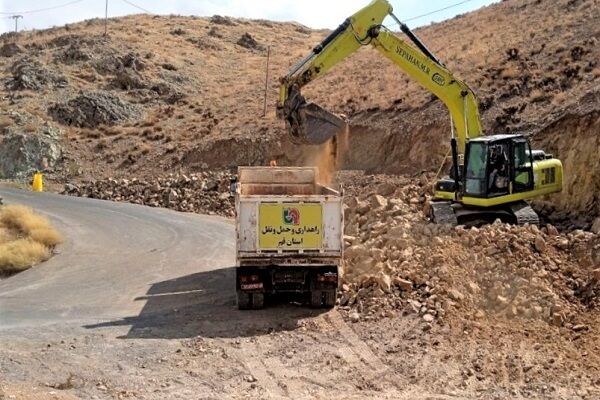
x: 291, y: 216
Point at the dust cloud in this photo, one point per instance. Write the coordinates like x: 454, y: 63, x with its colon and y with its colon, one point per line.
x: 328, y: 157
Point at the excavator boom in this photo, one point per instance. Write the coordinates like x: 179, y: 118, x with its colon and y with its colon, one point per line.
x: 309, y: 123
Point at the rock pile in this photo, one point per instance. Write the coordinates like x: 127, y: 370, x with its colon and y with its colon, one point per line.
x: 247, y: 41
x: 73, y: 54
x: 10, y: 49
x: 29, y: 74
x: 92, y: 109
x: 396, y: 261
x: 205, y: 193
x: 220, y: 20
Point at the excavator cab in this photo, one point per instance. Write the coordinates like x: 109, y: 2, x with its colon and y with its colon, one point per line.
x: 497, y: 166
x: 498, y: 171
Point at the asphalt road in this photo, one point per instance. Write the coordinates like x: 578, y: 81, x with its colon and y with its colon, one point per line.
x: 112, y: 256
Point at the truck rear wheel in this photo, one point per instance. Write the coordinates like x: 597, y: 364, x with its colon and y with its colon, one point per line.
x: 322, y: 298
x: 329, y: 298
x: 250, y: 301
x: 243, y: 300
x: 316, y: 298
x: 258, y: 301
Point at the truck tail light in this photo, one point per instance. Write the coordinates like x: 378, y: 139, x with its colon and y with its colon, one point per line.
x: 249, y: 278
x: 328, y: 277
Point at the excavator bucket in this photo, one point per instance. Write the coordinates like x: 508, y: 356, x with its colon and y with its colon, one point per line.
x: 312, y: 124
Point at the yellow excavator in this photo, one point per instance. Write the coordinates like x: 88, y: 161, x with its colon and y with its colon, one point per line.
x: 491, y: 176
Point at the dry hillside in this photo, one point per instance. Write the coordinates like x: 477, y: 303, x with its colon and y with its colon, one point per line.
x: 185, y: 93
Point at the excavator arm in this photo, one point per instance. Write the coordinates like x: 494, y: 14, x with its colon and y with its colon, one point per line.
x: 309, y: 123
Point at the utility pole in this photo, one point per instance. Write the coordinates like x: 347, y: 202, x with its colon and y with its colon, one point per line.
x: 16, y: 18
x: 106, y: 18
x: 267, y: 81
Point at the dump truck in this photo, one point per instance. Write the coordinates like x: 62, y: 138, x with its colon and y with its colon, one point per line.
x: 289, y: 236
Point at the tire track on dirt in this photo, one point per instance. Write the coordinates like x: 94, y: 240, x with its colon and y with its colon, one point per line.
x: 360, y: 350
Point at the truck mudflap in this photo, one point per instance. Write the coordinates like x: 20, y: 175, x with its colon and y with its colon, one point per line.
x: 254, y: 283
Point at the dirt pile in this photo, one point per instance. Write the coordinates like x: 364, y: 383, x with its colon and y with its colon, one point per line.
x: 397, y: 261
x: 205, y: 193
x: 90, y: 110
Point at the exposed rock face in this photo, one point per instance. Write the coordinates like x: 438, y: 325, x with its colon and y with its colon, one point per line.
x: 93, y: 109
x: 247, y: 41
x: 220, y: 20
x: 21, y: 154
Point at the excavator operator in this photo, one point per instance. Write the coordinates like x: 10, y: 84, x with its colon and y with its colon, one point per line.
x: 498, y: 180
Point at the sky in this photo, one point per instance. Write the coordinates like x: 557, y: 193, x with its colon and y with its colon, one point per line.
x: 312, y: 13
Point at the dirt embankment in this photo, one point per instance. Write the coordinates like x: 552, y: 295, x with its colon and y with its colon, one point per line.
x: 574, y: 139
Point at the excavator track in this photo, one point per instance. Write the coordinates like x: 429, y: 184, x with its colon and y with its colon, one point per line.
x: 524, y: 214
x: 443, y: 213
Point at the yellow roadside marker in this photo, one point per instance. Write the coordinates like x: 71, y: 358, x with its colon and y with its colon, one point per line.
x: 38, y: 182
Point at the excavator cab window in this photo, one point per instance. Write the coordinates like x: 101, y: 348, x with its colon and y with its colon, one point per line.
x: 499, y: 168
x: 475, y: 169
x: 523, y: 166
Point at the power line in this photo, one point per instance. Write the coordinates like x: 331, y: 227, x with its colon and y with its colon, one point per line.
x: 138, y: 7
x: 434, y: 11
x: 42, y: 9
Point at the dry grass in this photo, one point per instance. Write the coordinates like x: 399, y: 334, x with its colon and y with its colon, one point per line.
x: 21, y: 254
x: 26, y: 238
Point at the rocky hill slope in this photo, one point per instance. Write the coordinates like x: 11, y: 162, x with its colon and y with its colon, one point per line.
x: 184, y: 94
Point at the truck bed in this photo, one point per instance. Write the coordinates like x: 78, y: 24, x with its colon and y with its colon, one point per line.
x: 294, y: 190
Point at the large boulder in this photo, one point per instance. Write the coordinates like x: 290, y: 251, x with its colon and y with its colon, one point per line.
x: 21, y: 153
